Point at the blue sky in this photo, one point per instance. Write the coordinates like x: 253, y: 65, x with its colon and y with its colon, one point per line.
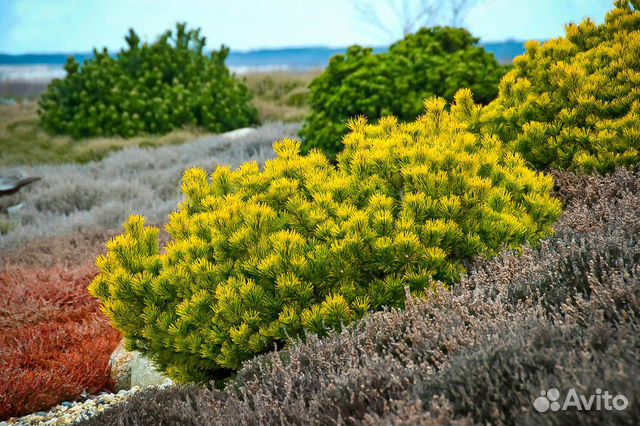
x: 47, y: 26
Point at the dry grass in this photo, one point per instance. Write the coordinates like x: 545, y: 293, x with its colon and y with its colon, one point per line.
x: 281, y: 96
x: 24, y: 142
x: 21, y: 89
x: 274, y: 111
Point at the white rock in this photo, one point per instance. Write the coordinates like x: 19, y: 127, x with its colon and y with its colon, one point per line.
x: 144, y: 374
x: 130, y: 370
x: 238, y: 133
x: 120, y: 365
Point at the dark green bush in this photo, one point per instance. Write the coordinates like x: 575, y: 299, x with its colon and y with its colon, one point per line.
x: 434, y: 61
x: 148, y: 88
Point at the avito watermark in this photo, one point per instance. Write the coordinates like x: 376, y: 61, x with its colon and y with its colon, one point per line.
x: 601, y: 400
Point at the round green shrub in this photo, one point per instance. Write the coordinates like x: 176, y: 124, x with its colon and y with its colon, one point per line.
x: 259, y: 257
x: 574, y: 102
x: 432, y: 62
x: 148, y: 88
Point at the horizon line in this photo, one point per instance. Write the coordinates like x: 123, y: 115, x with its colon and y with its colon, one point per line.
x: 263, y: 49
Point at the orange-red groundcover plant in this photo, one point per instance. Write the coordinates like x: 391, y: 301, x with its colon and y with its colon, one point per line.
x: 54, y: 341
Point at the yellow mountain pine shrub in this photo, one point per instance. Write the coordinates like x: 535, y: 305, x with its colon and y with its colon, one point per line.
x: 259, y: 257
x: 574, y: 102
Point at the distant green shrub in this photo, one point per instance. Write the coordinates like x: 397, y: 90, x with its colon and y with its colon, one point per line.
x: 433, y: 62
x: 573, y: 102
x: 257, y: 257
x: 148, y: 88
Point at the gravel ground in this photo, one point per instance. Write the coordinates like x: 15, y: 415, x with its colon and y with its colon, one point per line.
x: 69, y: 413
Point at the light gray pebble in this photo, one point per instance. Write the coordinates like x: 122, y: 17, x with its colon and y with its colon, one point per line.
x: 68, y: 413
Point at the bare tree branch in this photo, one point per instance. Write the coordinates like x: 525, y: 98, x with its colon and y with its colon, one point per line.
x: 369, y: 14
x: 459, y: 8
x: 425, y: 14
x: 397, y: 18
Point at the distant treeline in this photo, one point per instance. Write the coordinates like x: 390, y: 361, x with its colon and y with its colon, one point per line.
x: 299, y: 59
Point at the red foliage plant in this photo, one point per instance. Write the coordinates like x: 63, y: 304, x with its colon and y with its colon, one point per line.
x: 54, y: 341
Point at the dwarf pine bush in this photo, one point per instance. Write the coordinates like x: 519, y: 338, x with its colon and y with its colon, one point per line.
x: 258, y: 257
x: 432, y: 62
x: 375, y: 372
x: 148, y: 88
x: 573, y: 102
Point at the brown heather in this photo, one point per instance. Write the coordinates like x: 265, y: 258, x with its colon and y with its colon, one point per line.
x: 565, y: 315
